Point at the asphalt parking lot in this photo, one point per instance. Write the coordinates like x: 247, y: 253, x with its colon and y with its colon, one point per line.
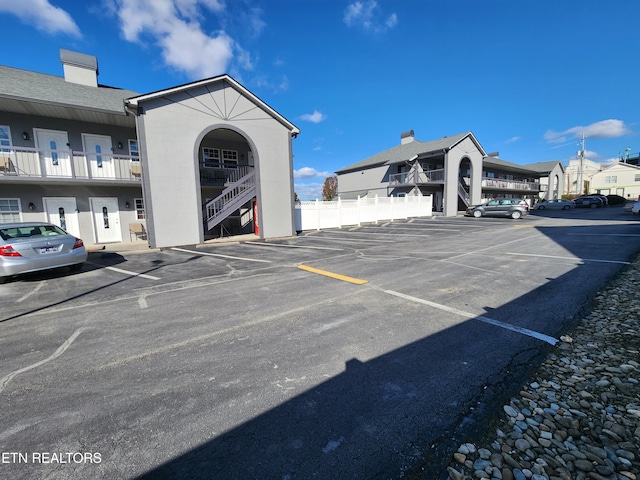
x: 355, y: 353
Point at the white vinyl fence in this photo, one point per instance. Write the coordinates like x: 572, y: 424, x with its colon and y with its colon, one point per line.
x: 315, y: 215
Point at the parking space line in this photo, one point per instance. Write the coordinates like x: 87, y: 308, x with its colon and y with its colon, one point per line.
x: 220, y: 255
x: 342, y: 239
x: 260, y: 244
x: 126, y: 272
x: 337, y: 276
x: 491, y: 321
x: 568, y: 258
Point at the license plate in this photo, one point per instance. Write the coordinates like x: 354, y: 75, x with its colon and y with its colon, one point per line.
x: 48, y: 249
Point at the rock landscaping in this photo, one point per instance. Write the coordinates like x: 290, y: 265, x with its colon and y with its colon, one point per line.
x: 578, y: 417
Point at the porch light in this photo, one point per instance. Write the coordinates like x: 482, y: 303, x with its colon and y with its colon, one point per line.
x: 127, y: 205
x: 119, y: 145
x: 25, y: 136
x: 32, y: 206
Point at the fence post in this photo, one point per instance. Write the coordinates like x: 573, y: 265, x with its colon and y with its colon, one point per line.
x: 339, y: 213
x: 317, y: 214
x: 375, y: 209
x: 358, y: 209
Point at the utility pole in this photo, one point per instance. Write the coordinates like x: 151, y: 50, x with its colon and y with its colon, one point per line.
x: 579, y: 185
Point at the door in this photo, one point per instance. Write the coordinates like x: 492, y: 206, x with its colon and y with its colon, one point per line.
x: 98, y: 149
x: 61, y: 211
x: 106, y: 219
x: 54, y: 152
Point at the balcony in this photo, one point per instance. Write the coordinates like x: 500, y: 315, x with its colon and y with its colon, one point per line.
x: 216, y: 174
x: 503, y: 184
x: 32, y: 164
x: 416, y: 177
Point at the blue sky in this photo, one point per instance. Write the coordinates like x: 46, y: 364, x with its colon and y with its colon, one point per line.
x: 527, y: 77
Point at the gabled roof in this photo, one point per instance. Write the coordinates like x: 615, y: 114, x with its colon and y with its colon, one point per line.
x: 544, y: 167
x: 33, y: 93
x: 133, y: 102
x: 404, y: 152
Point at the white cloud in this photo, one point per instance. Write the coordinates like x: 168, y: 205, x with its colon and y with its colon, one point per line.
x: 367, y: 15
x: 308, y: 191
x: 42, y: 15
x: 611, y: 128
x: 187, y: 45
x: 315, y: 117
x: 514, y: 139
x: 310, y: 172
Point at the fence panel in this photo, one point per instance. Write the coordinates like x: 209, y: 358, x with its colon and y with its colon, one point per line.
x: 316, y: 215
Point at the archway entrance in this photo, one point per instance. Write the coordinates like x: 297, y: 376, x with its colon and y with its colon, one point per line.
x: 227, y: 183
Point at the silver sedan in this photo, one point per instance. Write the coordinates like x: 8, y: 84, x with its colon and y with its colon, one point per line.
x: 556, y: 203
x: 34, y: 246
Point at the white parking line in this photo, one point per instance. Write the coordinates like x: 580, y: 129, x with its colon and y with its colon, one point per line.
x: 343, y: 239
x: 220, y: 255
x: 569, y: 258
x: 126, y: 272
x: 497, y: 323
x: 260, y: 244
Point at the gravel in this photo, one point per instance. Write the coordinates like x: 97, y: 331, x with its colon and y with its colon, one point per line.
x: 578, y: 417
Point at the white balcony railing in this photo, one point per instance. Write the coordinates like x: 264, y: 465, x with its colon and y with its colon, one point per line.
x: 504, y: 184
x: 417, y: 177
x: 41, y: 163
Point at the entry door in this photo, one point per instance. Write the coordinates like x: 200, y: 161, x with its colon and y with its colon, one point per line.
x: 55, y: 152
x: 106, y: 219
x: 61, y: 211
x: 99, y: 153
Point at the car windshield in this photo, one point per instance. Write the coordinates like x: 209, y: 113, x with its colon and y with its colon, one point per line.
x: 25, y: 231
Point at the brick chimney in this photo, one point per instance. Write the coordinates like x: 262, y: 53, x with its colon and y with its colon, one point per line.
x: 79, y: 68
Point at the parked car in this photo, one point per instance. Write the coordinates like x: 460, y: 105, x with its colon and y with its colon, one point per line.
x: 636, y: 208
x: 628, y: 207
x: 588, y: 201
x: 605, y: 200
x: 556, y: 203
x: 501, y: 207
x: 34, y: 246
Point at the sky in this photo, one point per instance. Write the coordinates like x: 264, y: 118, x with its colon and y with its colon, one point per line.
x: 527, y: 77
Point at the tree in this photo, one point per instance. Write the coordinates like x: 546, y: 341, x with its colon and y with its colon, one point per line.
x: 330, y: 188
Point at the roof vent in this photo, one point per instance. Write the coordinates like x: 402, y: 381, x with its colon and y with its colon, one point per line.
x: 79, y: 68
x: 493, y: 154
x: 406, y: 137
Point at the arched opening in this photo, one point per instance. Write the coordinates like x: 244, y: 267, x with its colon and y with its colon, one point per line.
x: 227, y: 183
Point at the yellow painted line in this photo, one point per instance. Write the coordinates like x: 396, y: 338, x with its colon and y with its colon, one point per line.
x: 337, y: 276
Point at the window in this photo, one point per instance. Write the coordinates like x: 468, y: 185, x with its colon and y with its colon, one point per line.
x: 133, y: 150
x: 9, y: 210
x: 210, y: 156
x: 611, y: 179
x: 139, y: 203
x: 229, y: 156
x: 5, y: 137
x: 637, y: 177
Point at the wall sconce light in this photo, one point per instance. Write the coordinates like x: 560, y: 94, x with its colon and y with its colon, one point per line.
x: 32, y: 206
x: 25, y: 136
x: 127, y: 205
x: 119, y: 145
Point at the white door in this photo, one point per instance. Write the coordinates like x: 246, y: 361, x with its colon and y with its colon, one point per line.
x: 99, y: 154
x: 55, y: 153
x: 106, y: 219
x: 61, y: 211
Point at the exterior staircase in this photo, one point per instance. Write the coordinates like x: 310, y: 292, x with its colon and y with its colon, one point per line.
x: 238, y: 191
x: 463, y: 194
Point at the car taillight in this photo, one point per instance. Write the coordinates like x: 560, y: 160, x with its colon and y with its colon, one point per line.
x: 79, y: 243
x: 9, y: 251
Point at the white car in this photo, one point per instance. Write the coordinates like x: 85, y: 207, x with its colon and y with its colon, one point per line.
x: 636, y: 208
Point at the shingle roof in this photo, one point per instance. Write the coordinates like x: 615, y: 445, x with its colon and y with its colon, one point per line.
x: 403, y: 152
x: 543, y: 167
x: 36, y: 87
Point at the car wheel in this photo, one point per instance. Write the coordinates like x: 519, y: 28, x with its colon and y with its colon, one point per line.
x: 3, y: 279
x: 516, y: 214
x: 566, y: 207
x: 477, y: 213
x: 594, y: 205
x: 76, y: 267
x: 541, y: 207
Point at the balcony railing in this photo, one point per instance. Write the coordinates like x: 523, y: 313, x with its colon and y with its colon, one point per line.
x: 503, y: 184
x: 212, y: 173
x: 416, y: 177
x: 28, y: 162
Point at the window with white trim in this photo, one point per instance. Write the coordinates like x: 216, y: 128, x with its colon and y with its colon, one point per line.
x: 637, y: 177
x: 229, y: 156
x: 10, y: 210
x: 210, y: 156
x: 611, y: 179
x: 140, y: 213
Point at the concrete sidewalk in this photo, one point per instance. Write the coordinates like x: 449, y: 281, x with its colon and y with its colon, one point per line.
x: 143, y: 246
